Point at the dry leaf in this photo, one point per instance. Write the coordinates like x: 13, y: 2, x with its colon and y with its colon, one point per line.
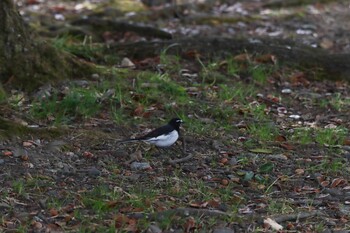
x: 338, y: 181
x: 53, y: 212
x: 190, y: 225
x: 266, y: 58
x: 299, y: 171
x: 273, y: 224
x: 244, y: 57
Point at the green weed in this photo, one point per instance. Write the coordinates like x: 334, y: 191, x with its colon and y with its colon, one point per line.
x: 259, y: 73
x: 239, y: 92
x: 232, y: 67
x: 19, y: 187
x: 302, y: 135
x: 78, y: 102
x: 329, y: 136
x: 75, y: 46
x: 263, y: 131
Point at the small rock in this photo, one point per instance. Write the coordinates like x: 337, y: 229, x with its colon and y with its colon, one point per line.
x: 286, y: 91
x: 233, y: 161
x: 127, y: 63
x: 95, y: 76
x: 278, y: 157
x: 2, y: 161
x: 42, y: 204
x: 94, y: 172
x: 140, y: 166
x: 295, y: 117
x: 154, y: 229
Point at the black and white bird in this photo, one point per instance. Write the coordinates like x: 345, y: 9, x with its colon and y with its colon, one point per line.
x: 163, y: 136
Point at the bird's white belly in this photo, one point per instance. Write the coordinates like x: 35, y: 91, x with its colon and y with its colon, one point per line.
x: 165, y: 140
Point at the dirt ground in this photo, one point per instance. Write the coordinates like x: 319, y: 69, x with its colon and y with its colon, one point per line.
x: 76, y: 178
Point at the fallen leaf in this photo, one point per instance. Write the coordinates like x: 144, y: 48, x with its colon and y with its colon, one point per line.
x: 244, y: 57
x: 338, y: 181
x: 190, y: 225
x: 53, y: 212
x: 7, y: 153
x: 273, y: 224
x: 280, y: 138
x: 287, y: 146
x: 266, y: 58
x: 299, y: 171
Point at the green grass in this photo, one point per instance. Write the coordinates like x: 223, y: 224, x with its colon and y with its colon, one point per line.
x: 331, y: 136
x: 263, y: 131
x: 238, y: 92
x: 77, y: 103
x: 302, y: 135
x: 260, y: 73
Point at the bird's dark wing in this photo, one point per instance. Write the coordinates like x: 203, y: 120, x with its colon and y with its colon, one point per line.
x: 166, y: 129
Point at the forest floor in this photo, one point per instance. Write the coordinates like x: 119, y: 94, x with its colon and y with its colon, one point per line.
x: 264, y: 147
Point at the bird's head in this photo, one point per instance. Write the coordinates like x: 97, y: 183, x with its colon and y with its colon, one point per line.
x: 176, y: 122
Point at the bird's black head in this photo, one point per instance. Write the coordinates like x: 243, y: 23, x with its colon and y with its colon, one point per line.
x: 176, y: 122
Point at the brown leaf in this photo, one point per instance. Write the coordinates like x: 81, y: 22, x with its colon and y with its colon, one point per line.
x: 338, y: 181
x: 244, y: 57
x: 7, y: 153
x: 112, y: 204
x: 190, y: 225
x: 287, y: 146
x: 347, y: 142
x: 139, y: 110
x: 280, y: 138
x: 121, y: 220
x: 324, y: 183
x: 224, y: 160
x: 88, y: 154
x: 53, y: 212
x: 266, y: 58
x: 299, y: 79
x: 299, y: 171
x: 191, y: 54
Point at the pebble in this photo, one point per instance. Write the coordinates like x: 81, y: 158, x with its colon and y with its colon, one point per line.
x: 140, y: 166
x: 93, y: 171
x: 2, y: 161
x: 295, y: 117
x: 286, y: 91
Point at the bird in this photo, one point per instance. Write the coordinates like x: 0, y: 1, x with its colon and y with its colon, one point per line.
x: 161, y: 137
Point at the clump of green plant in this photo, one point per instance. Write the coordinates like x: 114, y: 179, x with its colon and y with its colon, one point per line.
x: 259, y: 73
x: 78, y: 102
x: 70, y: 44
x: 331, y: 136
x: 155, y: 88
x: 232, y: 67
x: 263, y: 131
x: 238, y: 92
x: 339, y: 103
x: 302, y: 135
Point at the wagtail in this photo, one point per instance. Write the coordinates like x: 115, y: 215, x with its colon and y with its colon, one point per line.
x: 163, y: 136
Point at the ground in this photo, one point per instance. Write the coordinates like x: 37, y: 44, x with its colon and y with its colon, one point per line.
x: 264, y: 145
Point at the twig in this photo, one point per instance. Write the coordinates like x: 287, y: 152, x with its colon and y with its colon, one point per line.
x: 296, y: 216
x: 184, y: 212
x: 181, y: 160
